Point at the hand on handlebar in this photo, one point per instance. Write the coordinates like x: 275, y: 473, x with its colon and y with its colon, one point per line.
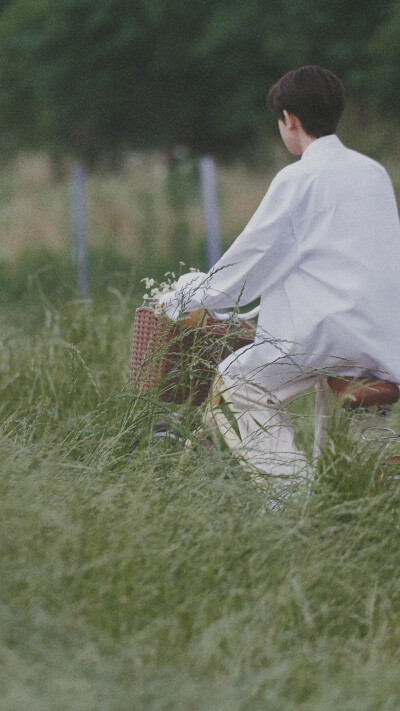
x: 178, y: 301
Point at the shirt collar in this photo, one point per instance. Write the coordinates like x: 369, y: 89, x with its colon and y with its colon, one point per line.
x: 321, y: 146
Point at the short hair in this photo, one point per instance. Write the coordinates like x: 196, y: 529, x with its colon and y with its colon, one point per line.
x: 313, y: 94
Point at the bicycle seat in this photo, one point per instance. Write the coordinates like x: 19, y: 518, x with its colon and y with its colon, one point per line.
x: 363, y: 392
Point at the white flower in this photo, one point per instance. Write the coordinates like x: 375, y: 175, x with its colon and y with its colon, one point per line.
x: 148, y: 282
x: 164, y: 287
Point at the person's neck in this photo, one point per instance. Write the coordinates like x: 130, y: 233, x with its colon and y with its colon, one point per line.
x: 304, y: 140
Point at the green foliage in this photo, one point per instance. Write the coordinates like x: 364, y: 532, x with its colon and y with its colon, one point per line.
x: 93, y: 76
x: 384, y: 47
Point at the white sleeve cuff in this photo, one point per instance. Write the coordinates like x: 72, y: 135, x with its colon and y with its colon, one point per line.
x: 178, y: 301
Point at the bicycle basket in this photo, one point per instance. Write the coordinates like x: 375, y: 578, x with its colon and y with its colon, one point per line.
x: 180, y: 359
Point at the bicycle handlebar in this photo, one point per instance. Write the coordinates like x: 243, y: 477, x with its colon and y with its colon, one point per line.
x: 224, y: 315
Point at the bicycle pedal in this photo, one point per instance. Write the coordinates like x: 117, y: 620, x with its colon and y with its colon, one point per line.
x: 392, y: 461
x: 161, y: 430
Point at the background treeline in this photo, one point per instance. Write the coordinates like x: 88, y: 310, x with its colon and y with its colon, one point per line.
x: 96, y: 76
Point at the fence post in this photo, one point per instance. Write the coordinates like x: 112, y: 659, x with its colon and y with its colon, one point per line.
x: 208, y: 185
x: 79, y: 222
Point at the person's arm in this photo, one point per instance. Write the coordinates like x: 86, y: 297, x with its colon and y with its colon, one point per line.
x: 262, y: 254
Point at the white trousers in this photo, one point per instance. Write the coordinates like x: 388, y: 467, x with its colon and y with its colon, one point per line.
x: 264, y: 423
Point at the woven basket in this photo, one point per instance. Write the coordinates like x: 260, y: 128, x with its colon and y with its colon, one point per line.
x: 180, y: 359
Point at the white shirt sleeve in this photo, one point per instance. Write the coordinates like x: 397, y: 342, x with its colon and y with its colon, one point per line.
x: 262, y: 254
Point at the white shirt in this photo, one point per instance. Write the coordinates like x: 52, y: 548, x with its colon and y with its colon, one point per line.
x: 322, y: 252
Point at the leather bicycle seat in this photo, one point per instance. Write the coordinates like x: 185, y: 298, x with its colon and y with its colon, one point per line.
x: 363, y: 392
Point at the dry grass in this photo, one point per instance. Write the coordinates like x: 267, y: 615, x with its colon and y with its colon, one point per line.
x: 144, y: 207
x: 140, y: 207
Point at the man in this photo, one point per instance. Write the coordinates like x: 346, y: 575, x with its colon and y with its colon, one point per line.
x: 322, y: 253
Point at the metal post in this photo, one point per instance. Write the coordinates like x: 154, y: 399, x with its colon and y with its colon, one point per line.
x: 208, y: 184
x: 78, y: 194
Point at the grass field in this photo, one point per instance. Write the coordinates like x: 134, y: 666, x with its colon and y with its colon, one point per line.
x: 159, y: 579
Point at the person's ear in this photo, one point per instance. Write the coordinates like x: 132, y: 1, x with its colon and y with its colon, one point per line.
x: 291, y: 121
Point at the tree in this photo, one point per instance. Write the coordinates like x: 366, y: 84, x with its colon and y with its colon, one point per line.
x: 385, y: 48
x: 92, y: 76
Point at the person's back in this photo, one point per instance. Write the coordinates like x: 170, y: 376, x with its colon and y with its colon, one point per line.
x: 347, y: 231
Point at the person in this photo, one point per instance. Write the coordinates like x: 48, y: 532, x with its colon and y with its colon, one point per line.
x: 322, y: 253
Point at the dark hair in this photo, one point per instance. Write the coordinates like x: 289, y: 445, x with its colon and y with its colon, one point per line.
x: 313, y: 94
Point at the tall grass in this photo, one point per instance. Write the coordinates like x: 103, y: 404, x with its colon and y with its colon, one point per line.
x: 158, y: 578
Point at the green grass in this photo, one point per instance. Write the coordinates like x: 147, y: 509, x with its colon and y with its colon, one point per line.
x: 159, y: 579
